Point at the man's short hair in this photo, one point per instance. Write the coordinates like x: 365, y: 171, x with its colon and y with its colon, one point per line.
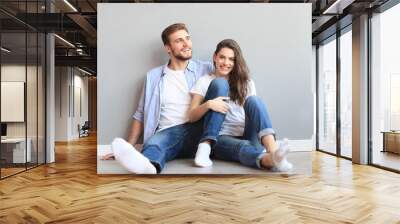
x: 170, y: 30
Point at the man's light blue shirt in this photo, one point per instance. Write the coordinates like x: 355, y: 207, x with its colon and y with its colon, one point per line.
x: 149, y: 107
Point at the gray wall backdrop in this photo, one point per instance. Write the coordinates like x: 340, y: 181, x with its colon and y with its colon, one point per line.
x: 275, y: 39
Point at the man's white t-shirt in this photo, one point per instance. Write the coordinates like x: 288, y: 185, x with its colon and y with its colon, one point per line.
x: 235, y: 118
x: 175, y: 99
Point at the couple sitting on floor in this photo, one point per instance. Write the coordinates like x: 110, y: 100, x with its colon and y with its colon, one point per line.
x: 188, y: 104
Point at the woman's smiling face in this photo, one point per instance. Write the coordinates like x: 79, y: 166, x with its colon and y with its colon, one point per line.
x: 224, y: 61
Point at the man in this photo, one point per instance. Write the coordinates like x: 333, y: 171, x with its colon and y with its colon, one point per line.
x: 162, y: 113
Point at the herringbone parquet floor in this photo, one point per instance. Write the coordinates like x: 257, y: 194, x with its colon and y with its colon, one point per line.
x: 70, y: 191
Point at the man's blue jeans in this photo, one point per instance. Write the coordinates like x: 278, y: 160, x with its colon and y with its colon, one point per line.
x: 181, y: 141
x: 247, y: 149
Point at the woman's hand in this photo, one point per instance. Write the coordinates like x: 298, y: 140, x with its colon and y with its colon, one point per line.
x: 218, y: 104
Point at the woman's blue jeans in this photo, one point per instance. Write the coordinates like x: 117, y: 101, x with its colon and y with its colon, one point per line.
x: 247, y: 149
x: 212, y: 121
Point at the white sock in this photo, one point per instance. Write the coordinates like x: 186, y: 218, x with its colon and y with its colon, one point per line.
x: 202, y: 158
x: 283, y: 166
x: 279, y: 157
x: 130, y: 158
x: 281, y: 152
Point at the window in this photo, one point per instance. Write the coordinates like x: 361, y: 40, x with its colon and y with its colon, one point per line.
x: 327, y: 96
x: 22, y: 65
x: 346, y: 93
x: 385, y: 88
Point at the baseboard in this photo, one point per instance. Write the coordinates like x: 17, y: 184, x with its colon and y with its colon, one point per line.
x: 302, y: 145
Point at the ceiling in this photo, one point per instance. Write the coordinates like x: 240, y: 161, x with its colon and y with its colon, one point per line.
x: 76, y: 22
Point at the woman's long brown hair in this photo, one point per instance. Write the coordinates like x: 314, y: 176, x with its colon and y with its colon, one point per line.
x: 238, y: 78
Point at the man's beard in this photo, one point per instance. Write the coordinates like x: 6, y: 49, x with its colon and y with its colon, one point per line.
x: 180, y: 57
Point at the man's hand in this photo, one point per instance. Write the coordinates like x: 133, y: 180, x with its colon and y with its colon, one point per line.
x: 218, y: 104
x: 108, y: 156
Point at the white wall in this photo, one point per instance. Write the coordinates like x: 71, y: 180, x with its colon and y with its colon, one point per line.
x: 61, y: 103
x: 79, y: 117
x: 70, y: 83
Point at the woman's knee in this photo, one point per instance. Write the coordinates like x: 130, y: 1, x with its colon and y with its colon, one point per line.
x: 254, y: 101
x: 220, y: 84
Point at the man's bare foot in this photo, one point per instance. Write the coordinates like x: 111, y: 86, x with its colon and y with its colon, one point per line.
x: 108, y: 156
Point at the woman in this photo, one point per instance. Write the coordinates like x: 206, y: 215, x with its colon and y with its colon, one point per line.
x: 241, y: 130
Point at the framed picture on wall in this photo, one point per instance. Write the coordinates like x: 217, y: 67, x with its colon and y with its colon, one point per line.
x: 12, y: 101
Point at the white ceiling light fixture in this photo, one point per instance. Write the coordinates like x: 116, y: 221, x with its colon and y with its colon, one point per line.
x: 337, y: 7
x: 84, y: 71
x: 5, y: 50
x: 80, y: 51
x: 70, y: 5
x: 65, y: 41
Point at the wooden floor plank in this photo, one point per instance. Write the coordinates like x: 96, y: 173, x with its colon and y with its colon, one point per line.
x: 70, y: 191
